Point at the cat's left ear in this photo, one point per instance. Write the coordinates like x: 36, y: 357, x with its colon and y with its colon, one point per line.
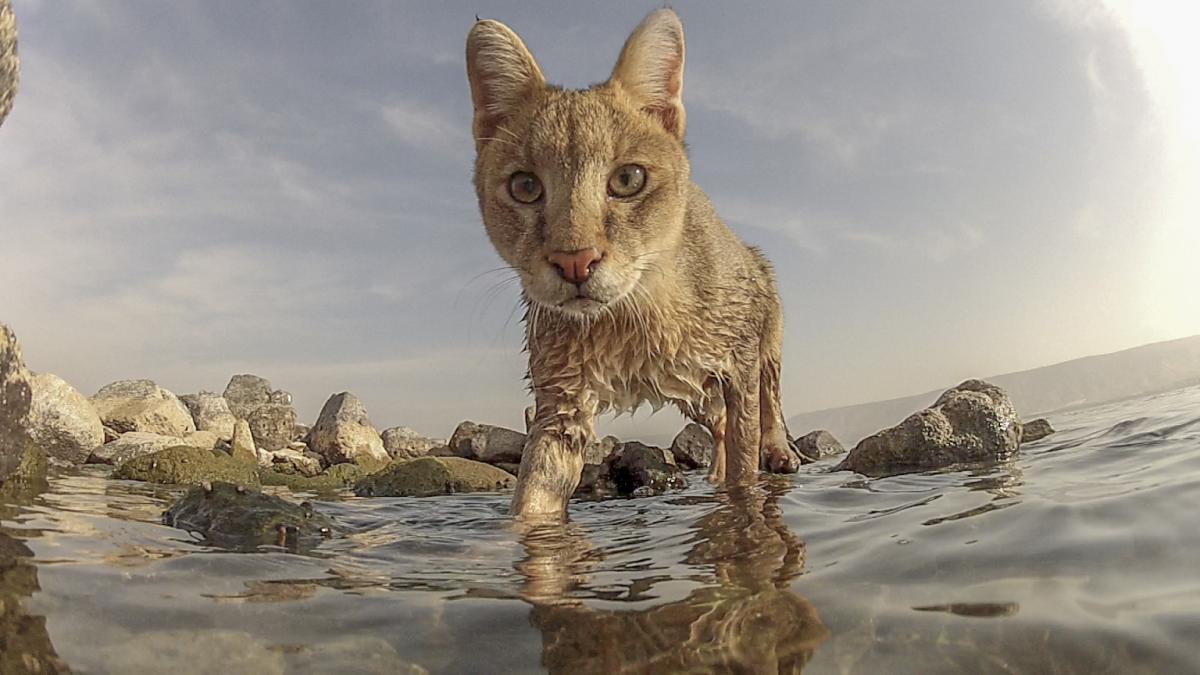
x: 651, y: 69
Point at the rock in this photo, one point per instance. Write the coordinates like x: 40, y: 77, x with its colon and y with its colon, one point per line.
x: 598, y: 451
x: 300, y: 432
x: 62, y: 421
x: 210, y: 412
x: 16, y: 395
x: 334, y: 478
x: 404, y: 443
x: 243, y: 448
x: 140, y: 443
x: 428, y: 476
x: 273, y: 425
x: 111, y: 434
x: 487, y: 443
x: 693, y: 447
x: 182, y: 465
x: 1036, y: 430
x: 972, y: 422
x: 816, y: 445
x: 343, y: 433
x: 638, y: 468
x: 244, y: 393
x: 292, y: 461
x: 142, y: 405
x: 226, y: 514
x: 9, y: 63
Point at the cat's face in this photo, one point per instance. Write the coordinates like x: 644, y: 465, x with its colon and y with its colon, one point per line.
x: 582, y: 192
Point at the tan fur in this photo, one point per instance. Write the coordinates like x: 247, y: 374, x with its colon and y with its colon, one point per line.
x: 678, y: 311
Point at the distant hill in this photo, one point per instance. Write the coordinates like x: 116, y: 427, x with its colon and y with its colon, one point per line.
x: 1093, y: 379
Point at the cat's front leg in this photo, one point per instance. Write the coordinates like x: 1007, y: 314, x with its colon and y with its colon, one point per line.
x: 743, y: 433
x: 552, y: 461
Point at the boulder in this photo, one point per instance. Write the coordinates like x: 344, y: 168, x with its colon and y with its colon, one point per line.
x: 405, y: 443
x: 273, y: 425
x: 343, y: 433
x: 289, y: 460
x: 15, y: 398
x: 972, y: 422
x: 817, y: 445
x: 142, y: 405
x: 182, y: 465
x: 636, y: 469
x: 140, y: 443
x: 1036, y: 430
x: 693, y: 447
x: 428, y: 476
x: 598, y: 451
x: 242, y: 446
x: 244, y: 393
x: 231, y: 515
x: 210, y: 412
x: 487, y: 443
x: 62, y: 421
x: 334, y: 478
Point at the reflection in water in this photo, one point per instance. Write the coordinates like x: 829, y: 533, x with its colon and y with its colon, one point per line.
x: 747, y: 620
x: 25, y: 645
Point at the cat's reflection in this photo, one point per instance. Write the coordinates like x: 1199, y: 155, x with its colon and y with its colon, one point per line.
x: 745, y: 619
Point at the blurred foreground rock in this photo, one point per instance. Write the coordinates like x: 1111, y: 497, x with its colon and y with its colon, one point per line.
x: 972, y: 422
x: 16, y: 395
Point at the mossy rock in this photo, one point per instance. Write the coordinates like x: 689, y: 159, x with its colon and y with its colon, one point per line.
x: 182, y: 465
x: 334, y: 478
x: 232, y: 515
x: 430, y: 476
x: 25, y: 482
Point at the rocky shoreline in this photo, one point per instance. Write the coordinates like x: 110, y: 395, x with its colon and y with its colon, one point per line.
x: 250, y: 436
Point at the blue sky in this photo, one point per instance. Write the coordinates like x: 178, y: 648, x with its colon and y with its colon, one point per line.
x: 947, y: 189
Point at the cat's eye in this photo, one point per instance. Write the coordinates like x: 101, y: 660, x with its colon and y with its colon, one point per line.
x: 525, y: 187
x: 627, y: 181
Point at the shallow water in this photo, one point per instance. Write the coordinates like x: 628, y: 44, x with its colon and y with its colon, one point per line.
x: 1080, y: 557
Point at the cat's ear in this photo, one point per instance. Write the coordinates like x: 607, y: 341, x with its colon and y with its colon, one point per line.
x: 502, y: 74
x: 651, y: 68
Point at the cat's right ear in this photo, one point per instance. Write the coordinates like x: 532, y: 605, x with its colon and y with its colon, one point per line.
x: 503, y: 74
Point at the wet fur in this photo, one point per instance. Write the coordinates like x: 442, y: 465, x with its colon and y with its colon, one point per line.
x: 678, y: 312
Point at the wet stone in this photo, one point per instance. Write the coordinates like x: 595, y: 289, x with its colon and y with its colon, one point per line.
x: 1036, y: 430
x: 817, y: 445
x: 182, y: 465
x: 429, y: 476
x: 231, y: 515
x: 693, y: 447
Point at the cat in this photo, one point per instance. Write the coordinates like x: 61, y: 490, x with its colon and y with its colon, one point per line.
x: 635, y: 290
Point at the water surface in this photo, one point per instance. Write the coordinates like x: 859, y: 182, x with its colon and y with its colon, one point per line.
x: 1080, y: 557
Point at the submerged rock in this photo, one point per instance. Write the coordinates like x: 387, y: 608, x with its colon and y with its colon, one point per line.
x: 405, y: 443
x: 210, y: 412
x: 972, y: 422
x: 182, y: 465
x: 487, y: 443
x: 225, y: 514
x: 62, y: 421
x: 142, y: 405
x: 429, y: 476
x: 1036, y: 430
x: 817, y: 445
x: 693, y: 447
x: 343, y: 433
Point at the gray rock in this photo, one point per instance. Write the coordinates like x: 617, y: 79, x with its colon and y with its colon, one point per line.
x: 62, y: 421
x: 1036, y: 430
x: 244, y: 393
x: 210, y: 412
x: 15, y: 397
x: 139, y: 443
x: 817, y: 445
x: 343, y: 433
x: 300, y: 432
x: 972, y: 422
x: 243, y: 448
x: 693, y: 447
x: 487, y: 443
x: 10, y: 65
x: 291, y: 461
x: 142, y: 405
x: 598, y: 451
x: 273, y: 425
x: 405, y: 443
x: 429, y: 476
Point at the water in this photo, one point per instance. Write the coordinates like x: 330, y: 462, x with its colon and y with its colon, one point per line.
x: 1080, y: 557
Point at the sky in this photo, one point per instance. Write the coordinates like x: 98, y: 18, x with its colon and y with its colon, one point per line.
x: 947, y: 189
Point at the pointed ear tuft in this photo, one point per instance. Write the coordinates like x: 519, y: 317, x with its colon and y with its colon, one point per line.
x: 502, y: 73
x: 651, y: 68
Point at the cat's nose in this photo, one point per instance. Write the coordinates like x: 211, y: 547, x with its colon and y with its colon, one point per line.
x: 576, y: 266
